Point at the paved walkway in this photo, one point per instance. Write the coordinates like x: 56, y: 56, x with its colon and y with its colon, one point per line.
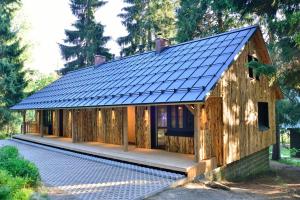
x: 84, y: 177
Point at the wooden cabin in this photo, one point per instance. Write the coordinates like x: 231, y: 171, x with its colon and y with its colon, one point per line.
x: 197, y: 98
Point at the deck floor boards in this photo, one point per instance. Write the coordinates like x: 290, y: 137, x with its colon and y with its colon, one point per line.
x: 149, y: 157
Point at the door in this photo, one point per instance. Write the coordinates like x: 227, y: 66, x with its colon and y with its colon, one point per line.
x: 158, y: 126
x: 61, y: 119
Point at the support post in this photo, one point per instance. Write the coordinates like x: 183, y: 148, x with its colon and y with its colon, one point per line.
x: 125, y: 128
x: 24, y: 122
x: 74, y: 139
x: 197, y: 113
x: 41, y: 123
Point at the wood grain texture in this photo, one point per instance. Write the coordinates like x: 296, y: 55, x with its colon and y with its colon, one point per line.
x: 143, y: 132
x: 215, y: 126
x: 67, y: 123
x: 241, y: 94
x: 55, y: 122
x: 179, y: 144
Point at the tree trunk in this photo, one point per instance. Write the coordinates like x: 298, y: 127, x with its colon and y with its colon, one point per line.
x: 220, y: 21
x: 276, y: 146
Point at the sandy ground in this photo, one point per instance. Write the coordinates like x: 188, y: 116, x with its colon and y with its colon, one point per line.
x: 282, y: 183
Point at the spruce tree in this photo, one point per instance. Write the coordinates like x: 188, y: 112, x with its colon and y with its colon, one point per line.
x: 145, y: 20
x: 12, y: 81
x: 200, y: 18
x: 86, y: 39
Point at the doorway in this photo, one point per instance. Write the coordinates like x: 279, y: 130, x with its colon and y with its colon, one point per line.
x: 158, y: 126
x: 131, y: 125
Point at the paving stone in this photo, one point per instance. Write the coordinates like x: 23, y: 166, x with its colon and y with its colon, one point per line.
x: 88, y: 178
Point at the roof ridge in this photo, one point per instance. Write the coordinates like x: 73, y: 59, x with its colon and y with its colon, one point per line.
x: 216, y: 35
x: 174, y: 45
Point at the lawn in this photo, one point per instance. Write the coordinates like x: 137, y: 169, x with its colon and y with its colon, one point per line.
x: 286, y: 157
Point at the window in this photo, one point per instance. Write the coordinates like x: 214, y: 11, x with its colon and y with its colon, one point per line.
x: 180, y: 121
x: 162, y: 117
x: 250, y: 70
x: 263, y: 116
x: 47, y: 117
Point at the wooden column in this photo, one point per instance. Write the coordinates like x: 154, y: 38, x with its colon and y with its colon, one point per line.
x: 197, y: 146
x: 41, y: 123
x: 24, y: 121
x: 74, y: 138
x: 125, y: 128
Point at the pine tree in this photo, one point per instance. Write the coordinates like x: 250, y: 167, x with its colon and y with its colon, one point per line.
x: 145, y: 20
x: 86, y: 39
x: 200, y: 18
x: 12, y: 79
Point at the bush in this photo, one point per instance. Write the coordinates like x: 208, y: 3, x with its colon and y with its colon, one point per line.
x: 13, y: 188
x: 16, y: 166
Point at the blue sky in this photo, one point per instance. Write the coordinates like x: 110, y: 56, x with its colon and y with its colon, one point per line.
x: 45, y: 21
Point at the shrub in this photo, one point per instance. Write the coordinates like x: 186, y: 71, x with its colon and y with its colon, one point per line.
x: 13, y: 188
x: 16, y: 166
x: 8, y: 152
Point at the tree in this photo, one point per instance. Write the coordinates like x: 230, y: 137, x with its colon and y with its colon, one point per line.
x: 37, y: 81
x: 145, y: 20
x: 86, y: 39
x: 12, y: 79
x: 199, y: 18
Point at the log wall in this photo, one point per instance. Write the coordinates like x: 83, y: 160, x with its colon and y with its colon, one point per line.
x: 104, y: 125
x: 241, y: 95
x: 55, y: 122
x: 67, y: 123
x: 179, y: 144
x: 142, y: 129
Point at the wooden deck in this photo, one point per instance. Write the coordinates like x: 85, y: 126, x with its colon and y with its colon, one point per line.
x: 183, y: 163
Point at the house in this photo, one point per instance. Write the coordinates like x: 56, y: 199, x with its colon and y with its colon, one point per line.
x: 196, y: 98
x: 294, y: 137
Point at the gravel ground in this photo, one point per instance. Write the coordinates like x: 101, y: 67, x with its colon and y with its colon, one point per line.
x: 283, y: 182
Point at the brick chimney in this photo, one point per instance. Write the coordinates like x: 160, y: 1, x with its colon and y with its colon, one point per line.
x: 161, y: 44
x: 99, y: 59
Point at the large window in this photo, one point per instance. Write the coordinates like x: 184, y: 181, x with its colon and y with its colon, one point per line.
x: 180, y: 121
x: 263, y: 116
x: 174, y: 121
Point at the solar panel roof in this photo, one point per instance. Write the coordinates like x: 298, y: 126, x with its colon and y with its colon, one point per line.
x: 181, y: 73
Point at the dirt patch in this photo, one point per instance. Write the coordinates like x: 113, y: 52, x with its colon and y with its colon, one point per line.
x: 283, y: 182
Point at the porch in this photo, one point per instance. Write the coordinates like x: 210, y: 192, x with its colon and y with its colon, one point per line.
x: 183, y: 138
x: 183, y: 163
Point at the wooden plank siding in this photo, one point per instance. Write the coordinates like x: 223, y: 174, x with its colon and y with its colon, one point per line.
x: 241, y: 94
x: 55, y: 122
x: 179, y: 144
x: 143, y: 131
x: 67, y: 123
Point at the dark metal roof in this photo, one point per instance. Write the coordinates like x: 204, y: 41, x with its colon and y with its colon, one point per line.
x: 181, y: 73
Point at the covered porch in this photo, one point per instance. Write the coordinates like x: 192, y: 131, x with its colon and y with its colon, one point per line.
x: 181, y: 137
x: 177, y: 162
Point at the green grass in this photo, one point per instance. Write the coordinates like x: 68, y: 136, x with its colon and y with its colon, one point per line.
x: 286, y: 157
x: 290, y: 161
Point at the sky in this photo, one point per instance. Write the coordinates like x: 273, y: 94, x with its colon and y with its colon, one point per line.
x: 44, y: 23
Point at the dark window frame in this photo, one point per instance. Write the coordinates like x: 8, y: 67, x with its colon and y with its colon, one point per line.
x: 47, y: 117
x: 263, y: 116
x: 186, y: 130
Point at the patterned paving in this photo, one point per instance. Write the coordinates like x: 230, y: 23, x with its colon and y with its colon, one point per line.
x: 86, y: 177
